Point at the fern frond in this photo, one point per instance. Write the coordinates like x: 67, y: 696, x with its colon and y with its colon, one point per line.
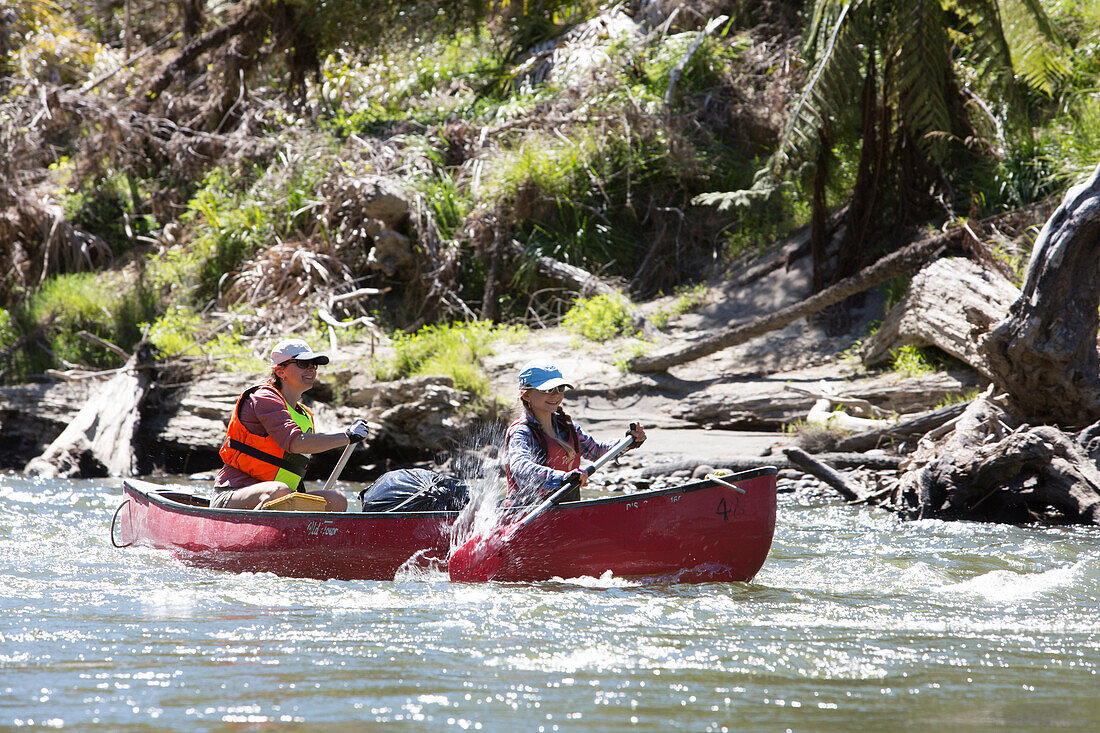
x: 1037, y: 54
x: 833, y: 83
x: 921, y: 69
x: 1018, y: 42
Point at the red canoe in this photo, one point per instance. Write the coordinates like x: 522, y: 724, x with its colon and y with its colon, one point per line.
x: 701, y: 531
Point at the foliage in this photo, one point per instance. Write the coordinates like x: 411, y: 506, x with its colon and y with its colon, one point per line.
x: 46, y: 44
x: 705, y: 68
x: 917, y: 70
x: 447, y: 202
x: 106, y: 305
x: 238, y: 214
x: 106, y: 207
x: 954, y: 399
x: 601, y: 317
x: 183, y: 332
x: 896, y: 290
x: 429, y: 82
x: 687, y: 298
x: 912, y: 361
x: 625, y: 356
x: 455, y: 350
x: 573, y: 198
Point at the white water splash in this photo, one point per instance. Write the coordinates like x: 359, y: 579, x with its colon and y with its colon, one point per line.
x: 1004, y: 586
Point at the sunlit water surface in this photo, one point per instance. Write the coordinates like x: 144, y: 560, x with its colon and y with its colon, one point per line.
x: 856, y: 622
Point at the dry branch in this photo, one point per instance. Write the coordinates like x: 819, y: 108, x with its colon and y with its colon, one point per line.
x: 886, y: 268
x: 821, y: 470
x: 190, y: 53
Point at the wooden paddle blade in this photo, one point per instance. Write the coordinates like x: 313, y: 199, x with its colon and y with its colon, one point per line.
x: 478, y: 559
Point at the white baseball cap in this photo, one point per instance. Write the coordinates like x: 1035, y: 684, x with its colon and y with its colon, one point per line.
x: 288, y: 349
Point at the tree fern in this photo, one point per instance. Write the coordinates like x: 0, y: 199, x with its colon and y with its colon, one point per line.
x: 910, y: 42
x: 921, y: 68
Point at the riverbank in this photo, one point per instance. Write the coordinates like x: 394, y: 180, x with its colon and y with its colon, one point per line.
x: 736, y: 402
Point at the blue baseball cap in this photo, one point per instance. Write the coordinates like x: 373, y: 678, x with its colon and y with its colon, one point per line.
x: 541, y: 375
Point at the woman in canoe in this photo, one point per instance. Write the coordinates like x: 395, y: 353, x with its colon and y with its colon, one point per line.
x: 271, y: 434
x: 544, y: 446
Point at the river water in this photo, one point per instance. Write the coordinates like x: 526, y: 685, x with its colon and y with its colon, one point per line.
x: 856, y: 622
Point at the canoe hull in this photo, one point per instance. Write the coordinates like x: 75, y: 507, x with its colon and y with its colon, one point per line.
x: 698, y: 532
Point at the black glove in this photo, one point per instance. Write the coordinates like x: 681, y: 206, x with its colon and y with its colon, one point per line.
x: 357, y: 432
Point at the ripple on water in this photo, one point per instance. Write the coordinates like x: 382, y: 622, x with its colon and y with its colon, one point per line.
x: 856, y: 621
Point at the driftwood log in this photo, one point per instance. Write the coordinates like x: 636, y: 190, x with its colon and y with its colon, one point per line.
x: 822, y: 470
x: 911, y: 428
x: 100, y: 439
x: 1043, y: 354
x: 993, y: 468
x: 881, y: 462
x: 951, y: 302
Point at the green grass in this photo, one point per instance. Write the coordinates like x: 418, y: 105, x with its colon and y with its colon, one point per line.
x: 183, y: 332
x: 687, y: 299
x: 238, y: 213
x: 105, y: 304
x: 454, y: 350
x: 912, y: 361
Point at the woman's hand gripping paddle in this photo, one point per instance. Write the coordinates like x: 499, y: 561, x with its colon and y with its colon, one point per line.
x: 480, y: 558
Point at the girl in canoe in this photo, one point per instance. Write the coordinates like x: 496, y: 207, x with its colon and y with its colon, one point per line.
x: 544, y: 447
x: 268, y: 442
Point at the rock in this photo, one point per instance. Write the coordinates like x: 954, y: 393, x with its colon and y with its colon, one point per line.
x: 768, y: 404
x: 32, y: 415
x: 391, y: 253
x: 100, y: 439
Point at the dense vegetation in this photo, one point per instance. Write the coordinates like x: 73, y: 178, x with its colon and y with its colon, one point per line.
x: 191, y: 170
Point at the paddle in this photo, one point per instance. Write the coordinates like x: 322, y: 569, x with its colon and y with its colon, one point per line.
x: 480, y: 558
x: 339, y: 468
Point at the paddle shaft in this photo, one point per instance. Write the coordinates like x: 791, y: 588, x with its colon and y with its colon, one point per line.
x: 339, y: 466
x: 615, y: 452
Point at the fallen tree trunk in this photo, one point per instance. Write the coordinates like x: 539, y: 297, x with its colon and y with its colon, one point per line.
x: 1043, y: 354
x: 888, y: 267
x: 950, y: 303
x: 575, y: 277
x: 100, y: 439
x: 991, y: 468
x: 911, y: 428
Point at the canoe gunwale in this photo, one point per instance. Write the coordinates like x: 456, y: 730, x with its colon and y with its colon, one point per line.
x: 158, y: 497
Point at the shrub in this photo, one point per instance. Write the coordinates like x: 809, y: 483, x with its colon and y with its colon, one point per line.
x: 183, y: 332
x: 687, y: 298
x: 103, y: 304
x: 601, y: 317
x: 453, y: 350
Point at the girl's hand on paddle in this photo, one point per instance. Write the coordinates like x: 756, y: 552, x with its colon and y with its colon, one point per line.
x: 637, y: 432
x: 578, y: 477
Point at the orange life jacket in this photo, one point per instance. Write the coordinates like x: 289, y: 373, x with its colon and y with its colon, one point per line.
x: 261, y: 457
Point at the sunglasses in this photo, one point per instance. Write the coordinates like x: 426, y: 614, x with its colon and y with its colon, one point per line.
x: 302, y: 364
x: 560, y: 389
